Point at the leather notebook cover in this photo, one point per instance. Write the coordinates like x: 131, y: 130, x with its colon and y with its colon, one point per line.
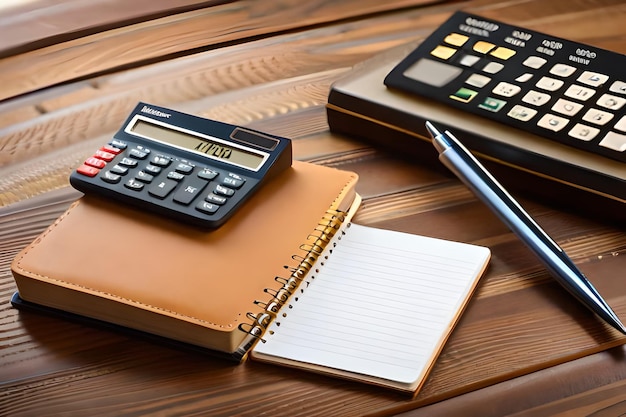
x: 106, y: 261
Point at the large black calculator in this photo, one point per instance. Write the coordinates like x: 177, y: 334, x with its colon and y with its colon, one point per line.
x: 195, y: 170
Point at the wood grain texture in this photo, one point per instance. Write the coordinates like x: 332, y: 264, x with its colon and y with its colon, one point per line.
x: 523, y: 346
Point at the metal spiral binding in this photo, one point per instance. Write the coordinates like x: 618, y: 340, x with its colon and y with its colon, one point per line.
x: 321, y: 236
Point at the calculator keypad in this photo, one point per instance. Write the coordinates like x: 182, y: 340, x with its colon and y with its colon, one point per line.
x: 161, y: 176
x: 561, y: 90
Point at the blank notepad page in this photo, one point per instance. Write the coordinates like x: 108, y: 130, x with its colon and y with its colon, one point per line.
x: 381, y: 304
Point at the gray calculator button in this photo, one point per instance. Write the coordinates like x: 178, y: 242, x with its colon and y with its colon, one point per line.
x: 176, y: 176
x: 221, y: 190
x: 144, y: 177
x: 161, y: 161
x: 137, y: 154
x: 120, y: 170
x: 207, y: 207
x: 217, y: 199
x: 110, y: 177
x: 232, y: 182
x: 207, y: 173
x: 183, y: 168
x: 189, y: 190
x: 133, y: 184
x: 432, y: 72
x: 127, y: 162
x: 161, y: 189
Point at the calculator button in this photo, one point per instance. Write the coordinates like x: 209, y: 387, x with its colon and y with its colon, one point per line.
x: 477, y: 80
x: 464, y: 95
x: 133, y: 184
x: 87, y: 170
x: 217, y: 199
x: 160, y: 161
x: 456, y: 39
x: 483, y: 47
x: 549, y: 84
x: 552, y: 122
x: 618, y: 87
x: 506, y: 90
x: 233, y: 182
x: 95, y: 162
x: 127, y: 162
x: 221, y: 190
x: 593, y: 79
x: 469, y: 60
x: 111, y: 149
x: 118, y: 144
x: 161, y: 189
x: 562, y: 70
x: 152, y: 169
x: 621, y: 124
x: 598, y: 117
x: 189, y: 190
x: 521, y: 113
x: 578, y: 92
x: 503, y: 53
x: 144, y: 177
x: 206, y: 207
x: 492, y: 104
x: 183, y: 168
x: 567, y: 107
x: 176, y: 176
x: 137, y: 154
x: 534, y: 62
x: 120, y: 170
x: 432, y: 72
x: 614, y: 141
x: 110, y: 177
x: 493, y: 67
x: 611, y: 102
x: 207, y: 173
x: 536, y: 98
x: 524, y: 77
x: 105, y: 156
x: 443, y: 52
x: 583, y: 132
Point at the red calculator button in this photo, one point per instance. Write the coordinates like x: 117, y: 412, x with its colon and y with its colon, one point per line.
x: 87, y: 170
x: 111, y: 149
x: 95, y: 162
x: 105, y: 156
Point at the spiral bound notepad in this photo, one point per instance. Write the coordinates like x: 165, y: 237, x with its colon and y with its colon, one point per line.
x: 378, y: 306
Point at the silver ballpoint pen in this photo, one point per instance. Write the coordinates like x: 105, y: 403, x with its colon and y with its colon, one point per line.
x: 464, y: 165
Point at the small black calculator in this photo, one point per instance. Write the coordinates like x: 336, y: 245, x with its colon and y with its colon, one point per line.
x: 195, y: 170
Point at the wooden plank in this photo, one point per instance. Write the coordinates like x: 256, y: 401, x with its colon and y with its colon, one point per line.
x: 35, y: 24
x: 181, y: 33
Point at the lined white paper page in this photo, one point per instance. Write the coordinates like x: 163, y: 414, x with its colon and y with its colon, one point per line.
x: 380, y: 305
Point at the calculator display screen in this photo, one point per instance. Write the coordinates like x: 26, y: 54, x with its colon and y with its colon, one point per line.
x: 202, y: 145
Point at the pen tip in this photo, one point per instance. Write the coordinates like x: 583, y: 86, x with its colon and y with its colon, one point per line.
x: 432, y: 129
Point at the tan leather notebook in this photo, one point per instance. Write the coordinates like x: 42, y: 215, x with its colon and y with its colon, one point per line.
x: 288, y: 280
x: 117, y: 264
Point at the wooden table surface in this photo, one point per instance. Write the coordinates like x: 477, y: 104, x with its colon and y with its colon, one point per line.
x: 71, y: 71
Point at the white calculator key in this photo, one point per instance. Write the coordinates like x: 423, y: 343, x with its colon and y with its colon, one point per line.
x: 521, y: 113
x: 506, y: 89
x: 469, y: 60
x: 534, y: 62
x: 618, y: 87
x: 552, y: 122
x: 524, y: 77
x: 536, y: 98
x: 594, y: 79
x: 579, y: 92
x: 621, y: 124
x: 493, y: 67
x: 550, y: 84
x: 597, y: 116
x: 477, y: 80
x: 611, y: 102
x: 567, y: 107
x: 583, y: 132
x: 562, y: 70
x: 614, y: 141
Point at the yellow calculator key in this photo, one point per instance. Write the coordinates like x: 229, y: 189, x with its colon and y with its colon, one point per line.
x: 455, y: 39
x: 443, y: 52
x: 503, y: 53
